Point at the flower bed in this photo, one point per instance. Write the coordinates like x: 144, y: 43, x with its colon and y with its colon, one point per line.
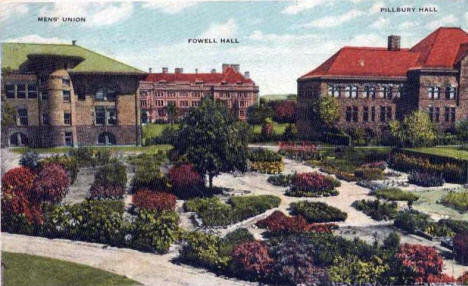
x: 425, y: 179
x: 107, y: 192
x: 313, y: 185
x: 186, y: 181
x: 151, y: 200
x: 279, y: 223
x: 411, y: 220
x: 456, y: 200
x: 317, y: 212
x: 376, y: 209
x: 263, y: 155
x: 111, y: 174
x: 299, y: 151
x: 281, y: 180
x: 395, y: 194
x: 369, y: 174
x: 213, y: 212
x: 267, y: 167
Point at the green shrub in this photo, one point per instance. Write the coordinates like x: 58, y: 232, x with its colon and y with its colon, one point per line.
x: 213, y: 212
x: 267, y: 167
x: 263, y: 155
x: 30, y: 160
x: 203, y: 250
x: 234, y: 238
x: 68, y: 163
x: 148, y: 175
x: 455, y: 225
x: 456, y: 200
x: 411, y: 220
x: 395, y: 194
x: 317, y: 212
x: 281, y: 180
x: 376, y: 209
x: 369, y: 174
x: 114, y: 174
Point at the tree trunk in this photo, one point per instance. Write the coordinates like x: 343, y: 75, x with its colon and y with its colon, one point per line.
x: 210, y: 176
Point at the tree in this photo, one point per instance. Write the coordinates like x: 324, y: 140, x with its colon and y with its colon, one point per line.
x: 416, y: 130
x: 461, y: 128
x: 285, y: 110
x: 327, y: 110
x: 172, y: 112
x: 8, y: 115
x: 212, y: 140
x: 257, y: 114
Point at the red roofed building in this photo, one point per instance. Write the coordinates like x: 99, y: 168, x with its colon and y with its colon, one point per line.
x: 185, y: 91
x: 376, y: 85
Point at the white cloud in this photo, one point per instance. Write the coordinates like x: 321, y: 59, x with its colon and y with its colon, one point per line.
x: 367, y: 40
x: 224, y: 30
x: 33, y: 38
x: 407, y: 25
x: 97, y: 14
x: 466, y: 18
x: 260, y: 36
x: 445, y: 21
x: 169, y: 6
x: 10, y: 9
x: 380, y: 23
x: 300, y: 6
x: 374, y: 9
x: 333, y: 21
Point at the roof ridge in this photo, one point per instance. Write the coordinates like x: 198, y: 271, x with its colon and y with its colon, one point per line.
x: 49, y: 44
x: 112, y: 59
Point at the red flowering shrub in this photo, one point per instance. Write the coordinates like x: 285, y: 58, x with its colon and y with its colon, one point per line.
x: 463, y: 279
x: 424, y: 261
x: 20, y: 178
x: 279, y: 222
x: 51, y: 183
x: 110, y: 191
x: 460, y: 246
x: 312, y: 182
x: 285, y: 111
x: 160, y: 201
x: 186, y: 181
x: 253, y: 258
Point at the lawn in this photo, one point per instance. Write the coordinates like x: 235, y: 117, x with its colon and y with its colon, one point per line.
x: 152, y: 130
x: 277, y: 127
x: 23, y: 269
x: 153, y: 149
x: 451, y: 152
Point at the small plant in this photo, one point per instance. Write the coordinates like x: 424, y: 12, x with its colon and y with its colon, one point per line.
x: 30, y: 160
x: 52, y: 183
x: 313, y: 185
x: 411, y: 220
x: 186, y: 181
x: 460, y: 246
x: 150, y: 200
x: 267, y: 167
x: 107, y: 192
x: 317, y: 212
x: 395, y: 194
x: 425, y: 179
x: 252, y: 259
x: 376, y: 209
x: 456, y: 200
x: 111, y: 174
x: 281, y: 180
x: 369, y: 174
x: 263, y: 155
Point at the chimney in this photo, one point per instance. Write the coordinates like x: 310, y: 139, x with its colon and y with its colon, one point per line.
x: 247, y: 74
x: 225, y: 66
x: 393, y: 43
x: 165, y: 70
x: 179, y: 70
x: 236, y: 67
x: 213, y: 70
x: 150, y: 70
x: 196, y: 70
x: 74, y: 42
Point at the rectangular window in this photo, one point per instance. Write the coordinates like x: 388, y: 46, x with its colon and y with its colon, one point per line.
x: 66, y: 82
x: 433, y: 92
x: 195, y: 103
x: 184, y: 103
x: 66, y: 95
x: 32, y: 91
x: 370, y: 92
x: 452, y: 114
x: 354, y: 91
x: 68, y: 138
x: 347, y: 92
x: 159, y: 103
x: 45, y: 119
x: 382, y: 113
x: 21, y: 91
x: 10, y: 91
x: 111, y: 116
x: 431, y: 113
x: 365, y: 114
x: 334, y: 90
x: 242, y: 113
x: 161, y: 112
x: 81, y: 93
x: 355, y: 113
x: 23, y: 116
x: 387, y: 92
x: 437, y: 114
x: 373, y: 114
x: 389, y: 113
x: 67, y: 120
x: 44, y: 95
x: 450, y: 92
x: 348, y: 113
x: 447, y: 114
x: 100, y: 115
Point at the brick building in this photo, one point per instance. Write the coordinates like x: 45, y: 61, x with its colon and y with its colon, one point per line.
x: 68, y: 95
x: 376, y: 85
x: 185, y: 90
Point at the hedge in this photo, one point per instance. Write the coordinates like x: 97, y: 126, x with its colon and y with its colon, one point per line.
x: 317, y: 212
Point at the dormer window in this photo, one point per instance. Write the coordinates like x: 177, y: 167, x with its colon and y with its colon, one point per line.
x: 433, y: 92
x: 105, y: 94
x: 66, y: 82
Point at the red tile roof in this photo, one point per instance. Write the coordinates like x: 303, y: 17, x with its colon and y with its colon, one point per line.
x: 442, y: 48
x: 229, y: 76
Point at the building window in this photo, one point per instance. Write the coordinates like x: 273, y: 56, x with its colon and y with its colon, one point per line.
x: 450, y: 92
x: 44, y: 95
x: 382, y: 113
x: 447, y: 114
x: 433, y: 92
x: 68, y: 138
x: 355, y: 113
x: 373, y: 114
x: 81, y: 92
x: 334, y: 90
x: 171, y: 94
x: 45, y: 119
x: 196, y: 94
x: 32, y: 91
x: 66, y: 82
x: 106, y: 116
x: 106, y: 138
x: 431, y: 113
x: 348, y: 113
x: 354, y: 91
x: 365, y: 114
x: 100, y: 115
x: 195, y: 103
x: 18, y: 139
x: 111, y: 116
x: 161, y: 112
x: 184, y: 103
x: 159, y: 103
x: 66, y: 95
x: 387, y: 92
x: 452, y: 114
x: 23, y: 116
x: 370, y: 91
x: 389, y: 113
x: 21, y: 91
x: 242, y: 113
x: 347, y: 92
x: 437, y: 114
x: 105, y: 93
x: 10, y: 91
x: 67, y: 120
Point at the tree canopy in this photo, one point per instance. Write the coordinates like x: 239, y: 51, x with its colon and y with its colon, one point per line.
x: 416, y: 130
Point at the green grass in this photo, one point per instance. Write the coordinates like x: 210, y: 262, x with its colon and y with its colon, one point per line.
x: 137, y: 149
x: 395, y: 194
x: 451, y: 152
x: 23, y: 269
x: 277, y: 127
x: 456, y: 200
x: 272, y: 97
x: 155, y: 129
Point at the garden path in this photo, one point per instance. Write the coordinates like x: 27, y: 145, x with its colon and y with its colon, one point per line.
x: 79, y: 191
x: 8, y: 160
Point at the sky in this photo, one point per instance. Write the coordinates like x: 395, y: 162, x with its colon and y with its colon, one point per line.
x: 278, y: 40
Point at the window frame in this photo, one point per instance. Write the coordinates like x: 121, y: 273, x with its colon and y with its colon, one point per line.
x: 23, y: 119
x: 66, y: 95
x: 67, y: 121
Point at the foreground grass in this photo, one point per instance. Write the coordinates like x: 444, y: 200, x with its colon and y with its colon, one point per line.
x: 151, y: 130
x: 27, y: 270
x: 451, y: 152
x: 153, y: 149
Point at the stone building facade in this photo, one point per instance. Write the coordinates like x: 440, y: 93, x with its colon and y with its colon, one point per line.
x: 185, y: 90
x: 376, y: 85
x: 66, y: 95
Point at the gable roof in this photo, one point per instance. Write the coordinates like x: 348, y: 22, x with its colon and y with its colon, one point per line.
x: 16, y: 54
x: 230, y: 75
x: 441, y: 49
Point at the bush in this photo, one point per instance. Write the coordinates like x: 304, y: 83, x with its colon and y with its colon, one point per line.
x: 232, y: 239
x: 149, y: 176
x: 376, y: 209
x: 313, y: 185
x: 353, y: 271
x: 252, y: 259
x: 460, y: 247
x: 52, y: 183
x: 267, y: 167
x: 290, y: 133
x: 425, y: 179
x: 107, y: 192
x: 281, y: 180
x: 87, y: 157
x: 285, y: 111
x: 411, y: 220
x: 317, y: 212
x: 263, y: 155
x: 111, y: 174
x: 19, y: 178
x: 455, y: 225
x: 395, y: 194
x: 30, y: 160
x: 69, y: 163
x: 279, y: 223
x: 150, y: 200
x: 203, y: 250
x: 213, y: 212
x: 456, y: 200
x: 186, y: 181
x: 268, y: 129
x: 348, y: 177
x: 382, y: 165
x: 369, y: 174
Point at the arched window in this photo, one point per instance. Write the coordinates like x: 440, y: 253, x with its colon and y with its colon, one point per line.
x: 105, y: 93
x: 18, y: 139
x: 106, y: 138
